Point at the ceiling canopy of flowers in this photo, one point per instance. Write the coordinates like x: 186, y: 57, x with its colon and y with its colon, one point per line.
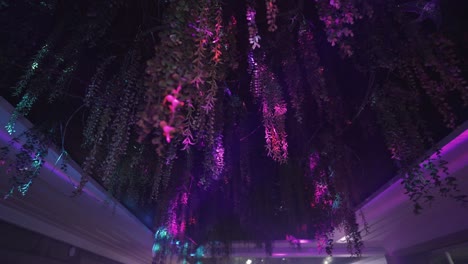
x: 237, y: 120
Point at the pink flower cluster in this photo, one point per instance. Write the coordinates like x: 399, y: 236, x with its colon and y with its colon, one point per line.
x: 338, y: 16
x: 321, y: 193
x: 272, y: 12
x: 254, y: 38
x: 172, y: 102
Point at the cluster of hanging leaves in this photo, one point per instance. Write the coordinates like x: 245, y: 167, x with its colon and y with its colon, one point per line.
x: 292, y: 77
x: 266, y: 89
x: 315, y: 78
x: 421, y: 66
x: 338, y: 17
x: 185, y: 81
x: 112, y: 97
x: 328, y: 193
x: 31, y: 148
x: 272, y: 12
x: 52, y: 67
x: 186, y: 85
x: 113, y: 105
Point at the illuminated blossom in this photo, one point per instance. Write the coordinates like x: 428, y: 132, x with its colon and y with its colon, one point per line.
x: 167, y: 130
x: 280, y: 109
x: 173, y: 101
x: 320, y: 195
x: 254, y: 38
